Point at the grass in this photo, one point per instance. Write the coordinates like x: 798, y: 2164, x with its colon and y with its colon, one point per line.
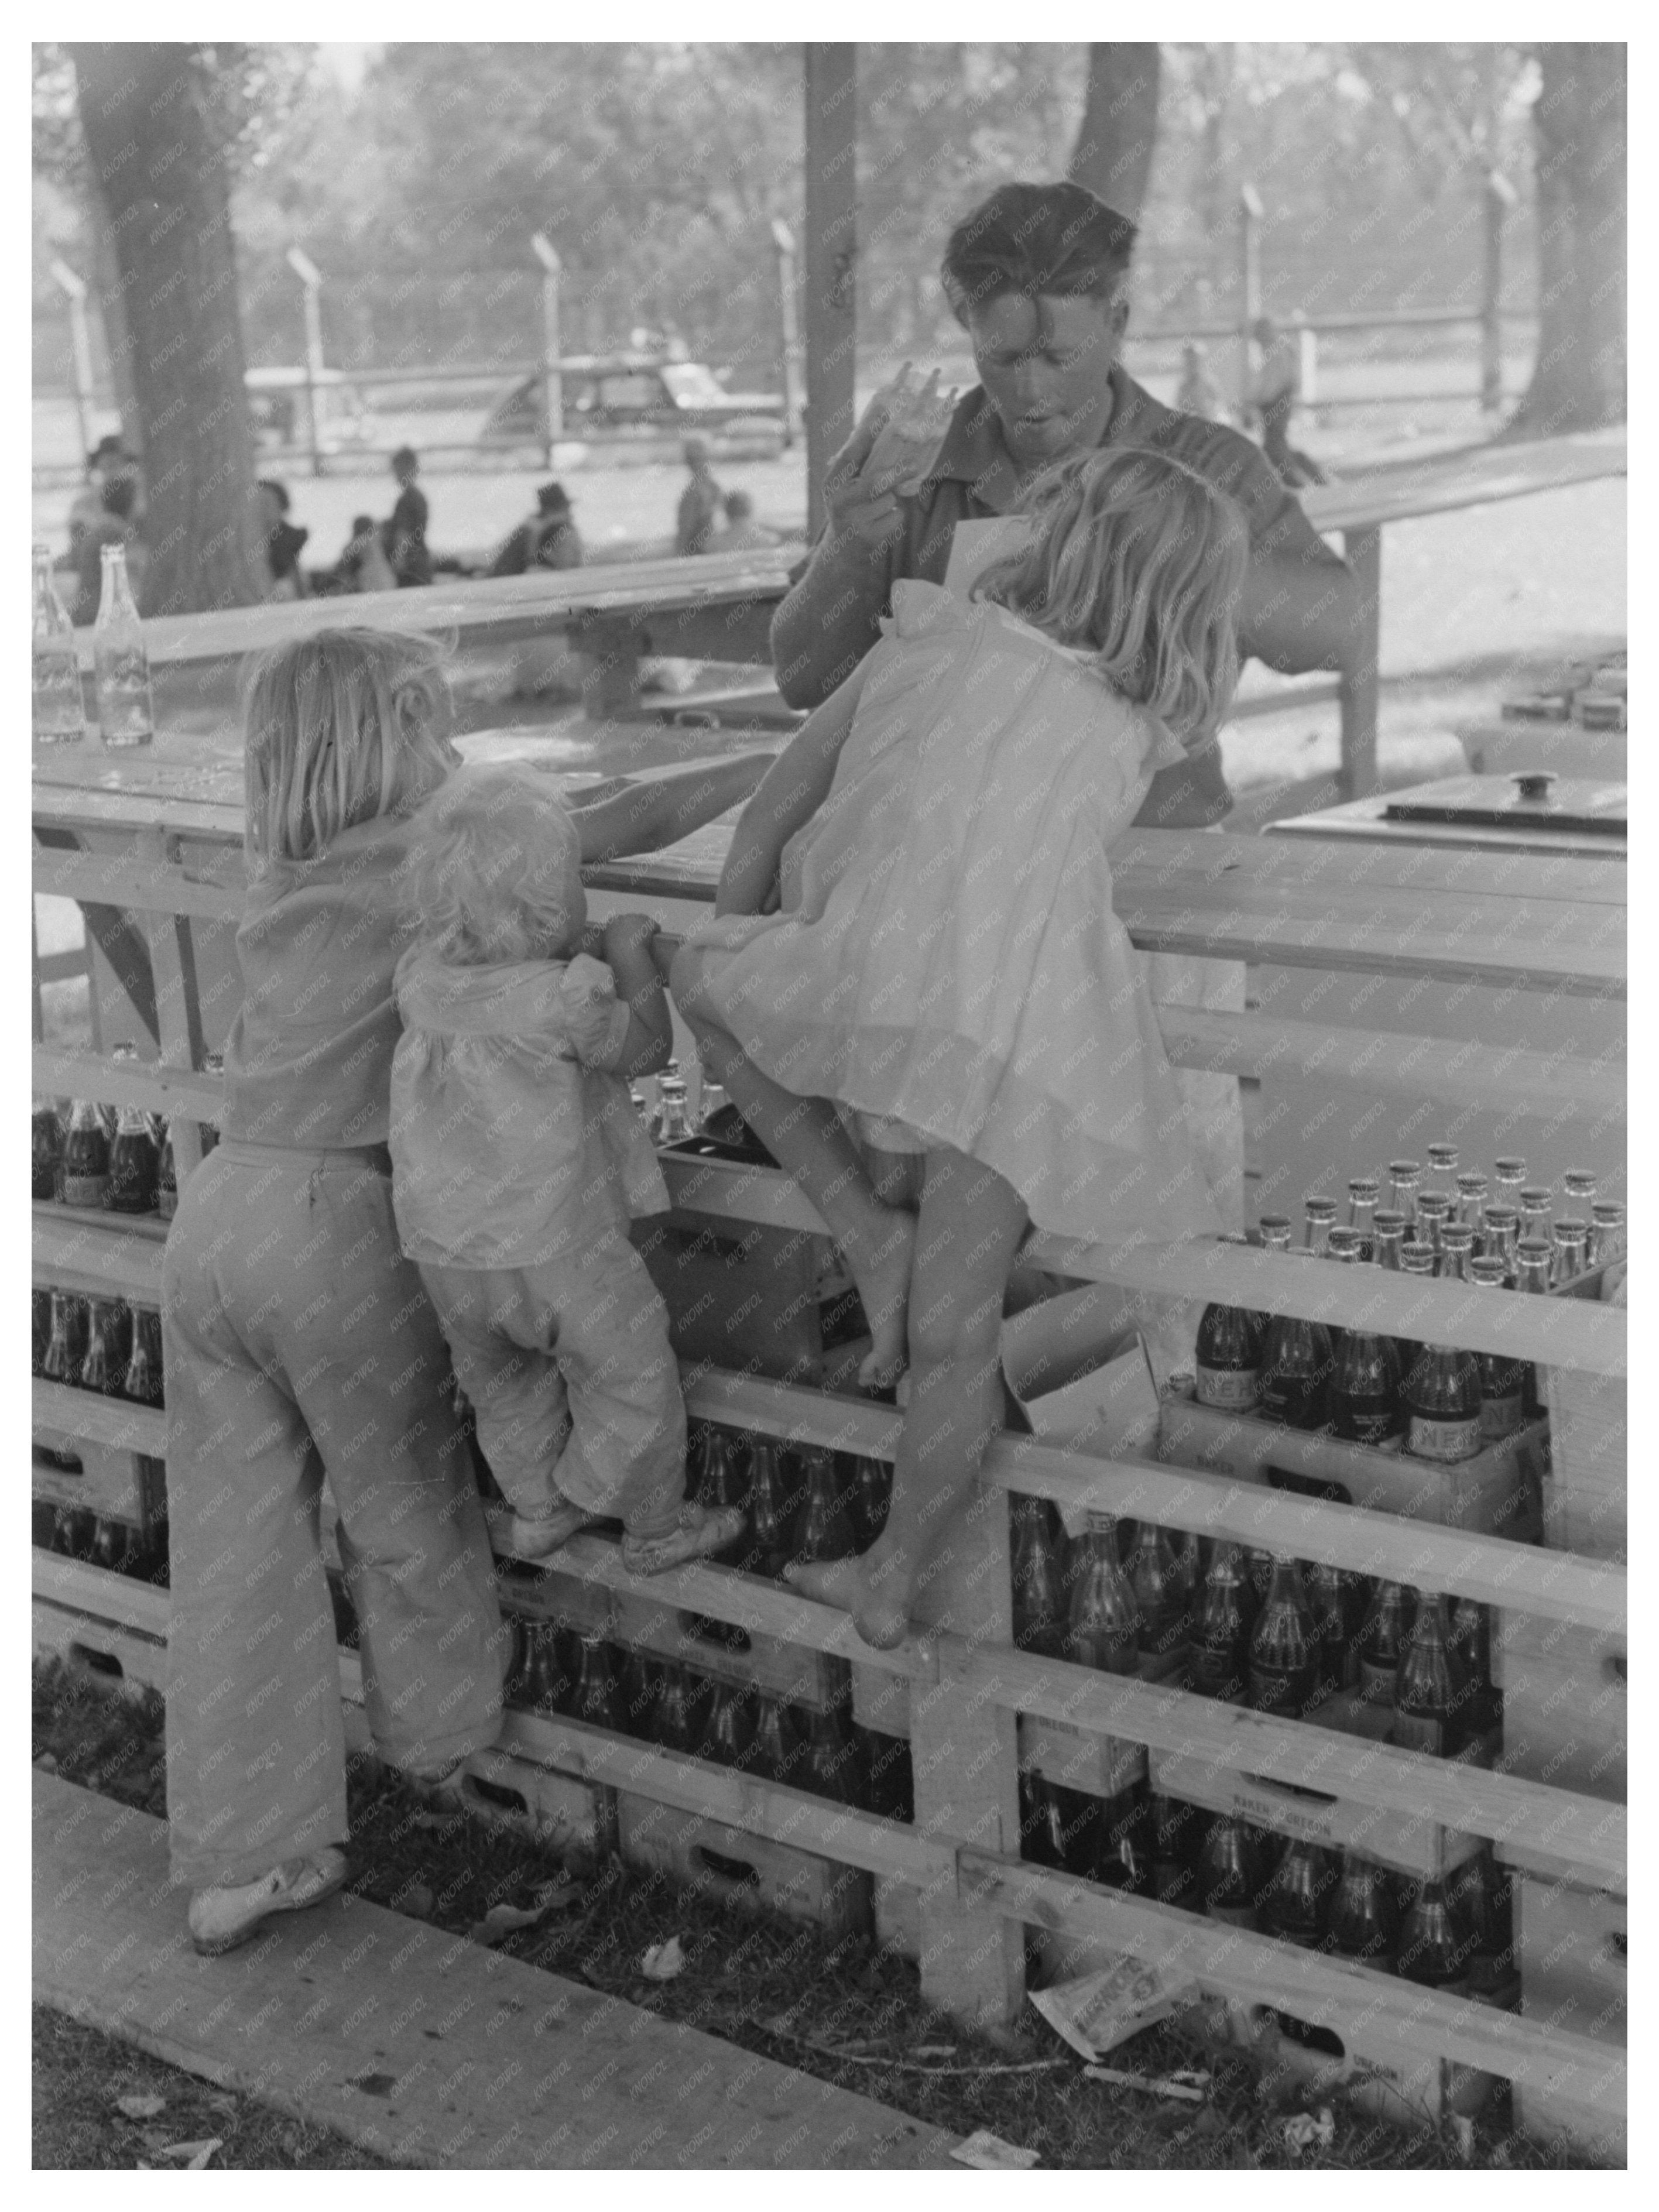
x: 851, y: 2014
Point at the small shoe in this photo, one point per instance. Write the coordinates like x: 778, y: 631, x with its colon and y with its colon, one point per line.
x: 702, y: 1531
x: 535, y: 1540
x: 222, y: 1918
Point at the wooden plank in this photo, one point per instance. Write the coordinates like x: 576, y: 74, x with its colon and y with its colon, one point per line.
x: 113, y: 1422
x: 121, y: 1083
x: 78, y: 1588
x: 1201, y: 860
x: 88, y: 1255
x: 1557, y: 1586
x: 67, y: 806
x: 1360, y: 691
x: 1476, y: 477
x: 1323, y: 1990
x: 1586, y: 1830
x: 153, y: 887
x: 427, y: 2048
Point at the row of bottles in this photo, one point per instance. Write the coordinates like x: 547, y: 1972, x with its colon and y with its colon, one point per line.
x: 98, y: 1344
x: 670, y: 1119
x: 126, y: 707
x: 798, y: 1505
x: 1455, y: 1934
x: 76, y: 1532
x: 119, y: 1159
x: 1251, y: 1629
x: 662, y: 1702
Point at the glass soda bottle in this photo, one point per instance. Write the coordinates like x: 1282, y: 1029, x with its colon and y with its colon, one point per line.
x: 869, y: 1496
x: 1364, y: 1922
x: 1228, y: 1356
x: 832, y: 1763
x: 1442, y: 1169
x: 778, y: 1749
x: 1426, y: 1706
x: 166, y: 1176
x: 774, y: 1492
x: 1578, y: 1189
x: 1536, y: 1207
x: 126, y: 711
x: 1606, y: 1232
x: 1043, y: 1827
x: 721, y: 1480
x: 730, y: 1739
x: 66, y: 1346
x: 1435, y: 1943
x: 1443, y: 1404
x: 1221, y: 1645
x: 1532, y: 1277
x: 1161, y: 1600
x: 1103, y: 1630
x: 41, y: 1327
x: 1433, y: 1212
x: 1387, y: 1235
x: 1177, y: 1837
x: 1295, y: 1371
x: 1501, y: 1237
x: 679, y: 1721
x: 46, y: 1150
x: 1471, y: 1199
x: 1404, y: 1176
x: 823, y: 1528
x: 1037, y: 1573
x: 1365, y: 1382
x: 1571, y: 1242
x: 1508, y: 1177
x: 1285, y: 1654
x: 637, y: 1694
x: 57, y: 717
x: 1363, y: 1192
x: 1227, y: 1876
x: 1300, y: 1897
x: 1502, y: 1382
x: 1124, y: 1850
x: 135, y: 1162
x: 1320, y: 1216
x: 1470, y: 1636
x: 1383, y: 1639
x: 595, y: 1700
x: 1327, y: 1601
x: 86, y: 1156
x: 1275, y: 1230
x: 104, y: 1364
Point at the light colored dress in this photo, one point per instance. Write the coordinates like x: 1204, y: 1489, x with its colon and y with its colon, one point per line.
x: 946, y: 955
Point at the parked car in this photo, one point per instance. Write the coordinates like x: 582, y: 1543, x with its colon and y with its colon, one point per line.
x: 276, y: 409
x: 623, y: 395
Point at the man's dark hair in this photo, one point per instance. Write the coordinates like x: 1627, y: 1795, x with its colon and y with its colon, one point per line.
x: 1035, y: 239
x: 406, y: 458
x: 738, y: 506
x: 278, y: 492
x: 120, y: 496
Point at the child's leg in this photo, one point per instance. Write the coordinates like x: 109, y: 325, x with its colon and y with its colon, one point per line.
x: 971, y: 1224
x: 808, y: 1137
x: 627, y: 1455
x: 499, y: 1334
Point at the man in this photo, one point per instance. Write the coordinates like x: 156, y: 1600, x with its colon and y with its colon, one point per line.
x: 549, y: 539
x: 1274, y: 390
x: 115, y: 524
x: 700, y: 503
x: 742, y: 533
x: 1036, y: 274
x: 406, y: 533
x: 1200, y: 393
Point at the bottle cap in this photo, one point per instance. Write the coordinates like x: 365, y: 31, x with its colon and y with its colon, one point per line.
x: 1456, y: 1236
x: 1345, y: 1243
x: 1416, y: 1259
x: 1401, y: 1168
x: 1320, y: 1209
x: 1387, y: 1220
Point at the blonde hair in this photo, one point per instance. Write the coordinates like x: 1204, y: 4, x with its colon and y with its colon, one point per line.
x: 341, y: 728
x: 496, y: 870
x: 1135, y: 557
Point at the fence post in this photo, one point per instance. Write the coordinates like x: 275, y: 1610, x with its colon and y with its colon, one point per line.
x: 788, y: 331
x: 1499, y: 195
x: 311, y: 278
x: 552, y: 382
x: 1307, y: 340
x: 74, y: 289
x: 1250, y: 211
x: 831, y: 254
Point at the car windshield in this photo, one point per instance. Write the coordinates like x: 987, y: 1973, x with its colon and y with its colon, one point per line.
x: 692, y: 384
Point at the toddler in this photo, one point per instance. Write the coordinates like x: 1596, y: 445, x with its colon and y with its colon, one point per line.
x: 518, y: 1159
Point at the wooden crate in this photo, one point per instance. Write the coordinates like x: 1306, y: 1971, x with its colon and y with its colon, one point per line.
x: 124, y: 1657
x: 119, y: 1446
x: 737, y: 1293
x: 749, y: 1872
x: 1408, y: 1842
x: 781, y: 1670
x: 1373, y: 2066
x: 1497, y: 1492
x: 1573, y: 1944
x: 1566, y: 1702
x: 1585, y: 1500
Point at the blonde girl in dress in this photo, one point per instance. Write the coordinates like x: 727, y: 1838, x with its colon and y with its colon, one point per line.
x: 943, y: 972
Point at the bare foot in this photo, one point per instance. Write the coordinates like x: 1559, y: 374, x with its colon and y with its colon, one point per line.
x: 848, y: 1585
x: 883, y: 1282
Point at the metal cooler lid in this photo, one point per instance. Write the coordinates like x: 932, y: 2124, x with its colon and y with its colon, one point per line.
x: 1536, y: 799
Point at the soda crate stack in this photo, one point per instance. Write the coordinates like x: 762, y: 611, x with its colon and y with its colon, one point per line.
x: 1131, y: 1720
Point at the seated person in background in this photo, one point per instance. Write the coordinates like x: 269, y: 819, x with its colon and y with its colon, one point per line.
x: 108, y: 458
x: 281, y: 541
x: 363, y: 566
x: 1274, y: 390
x: 114, y: 525
x: 1200, y: 394
x: 548, y: 539
x: 406, y: 533
x: 700, y: 503
x: 742, y: 533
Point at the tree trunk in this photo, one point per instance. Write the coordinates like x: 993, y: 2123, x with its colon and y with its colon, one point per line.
x: 111, y: 311
x: 1578, y: 379
x: 158, y: 162
x: 1113, y: 155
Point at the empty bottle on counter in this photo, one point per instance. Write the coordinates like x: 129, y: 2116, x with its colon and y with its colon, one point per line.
x: 126, y: 712
x: 1221, y: 1646
x: 1285, y: 1651
x: 1103, y: 1628
x: 1228, y: 1356
x: 56, y: 715
x: 1364, y: 1921
x: 1427, y: 1709
x: 86, y: 1156
x: 46, y: 1150
x: 1037, y: 1573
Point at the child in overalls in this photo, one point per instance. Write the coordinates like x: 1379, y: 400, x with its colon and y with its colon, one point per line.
x: 518, y: 1161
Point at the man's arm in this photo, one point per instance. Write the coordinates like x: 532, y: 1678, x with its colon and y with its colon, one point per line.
x: 1300, y: 607
x: 832, y: 614
x: 644, y: 817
